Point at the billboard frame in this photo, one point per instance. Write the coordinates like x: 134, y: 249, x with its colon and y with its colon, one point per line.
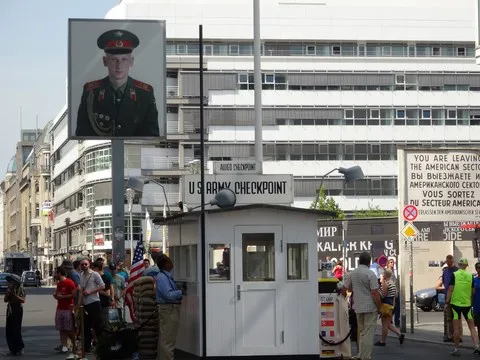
x: 159, y: 91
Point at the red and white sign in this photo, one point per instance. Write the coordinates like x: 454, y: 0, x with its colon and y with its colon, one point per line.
x: 410, y: 212
x: 99, y: 239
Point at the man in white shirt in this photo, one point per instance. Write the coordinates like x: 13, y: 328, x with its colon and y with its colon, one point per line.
x: 90, y: 284
x: 364, y: 285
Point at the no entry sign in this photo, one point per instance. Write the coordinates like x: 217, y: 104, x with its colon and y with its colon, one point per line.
x: 410, y: 212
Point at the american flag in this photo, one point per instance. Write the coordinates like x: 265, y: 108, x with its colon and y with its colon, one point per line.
x: 136, y: 270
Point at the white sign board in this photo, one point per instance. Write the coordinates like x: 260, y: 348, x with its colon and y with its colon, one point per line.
x: 250, y: 189
x: 236, y: 167
x: 443, y: 184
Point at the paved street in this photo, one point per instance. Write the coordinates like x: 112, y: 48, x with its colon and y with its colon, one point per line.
x: 40, y: 336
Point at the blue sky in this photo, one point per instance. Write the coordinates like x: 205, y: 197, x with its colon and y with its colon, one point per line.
x: 33, y: 60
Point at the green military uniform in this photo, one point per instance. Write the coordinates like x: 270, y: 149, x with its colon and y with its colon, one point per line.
x: 126, y: 111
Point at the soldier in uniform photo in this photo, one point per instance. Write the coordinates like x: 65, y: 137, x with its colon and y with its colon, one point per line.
x: 117, y: 105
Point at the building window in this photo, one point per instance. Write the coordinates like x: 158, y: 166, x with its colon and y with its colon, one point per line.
x: 361, y: 49
x: 336, y: 50
x: 374, y: 113
x: 208, y: 50
x: 348, y: 114
x: 98, y: 160
x: 181, y: 49
x: 400, y: 114
x: 451, y: 114
x: 400, y: 79
x: 436, y: 51
x: 426, y: 114
x: 269, y: 79
x: 310, y: 50
x: 461, y: 51
x: 386, y: 50
x: 234, y: 50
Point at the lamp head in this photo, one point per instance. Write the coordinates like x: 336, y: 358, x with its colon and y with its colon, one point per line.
x: 135, y: 184
x: 225, y: 198
x: 352, y: 173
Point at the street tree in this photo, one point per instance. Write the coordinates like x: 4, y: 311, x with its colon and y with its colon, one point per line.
x: 327, y: 203
x: 374, y: 212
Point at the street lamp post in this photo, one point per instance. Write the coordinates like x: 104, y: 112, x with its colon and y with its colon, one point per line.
x: 92, y: 220
x: 350, y: 174
x: 130, y: 194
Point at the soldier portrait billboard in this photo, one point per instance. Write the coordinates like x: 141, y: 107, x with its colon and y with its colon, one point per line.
x: 116, y: 79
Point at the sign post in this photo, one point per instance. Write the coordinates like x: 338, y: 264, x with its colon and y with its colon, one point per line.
x: 410, y: 232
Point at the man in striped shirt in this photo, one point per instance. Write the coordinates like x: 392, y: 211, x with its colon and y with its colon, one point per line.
x: 364, y: 285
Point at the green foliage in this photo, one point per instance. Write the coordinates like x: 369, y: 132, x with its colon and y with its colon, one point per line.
x: 328, y: 204
x: 373, y: 212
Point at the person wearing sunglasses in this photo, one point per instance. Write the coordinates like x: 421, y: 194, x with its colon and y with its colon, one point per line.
x: 91, y: 284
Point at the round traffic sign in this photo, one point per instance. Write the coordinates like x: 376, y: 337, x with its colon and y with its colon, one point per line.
x: 410, y: 212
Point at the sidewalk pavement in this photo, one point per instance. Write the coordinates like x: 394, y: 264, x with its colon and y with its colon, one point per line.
x: 432, y: 333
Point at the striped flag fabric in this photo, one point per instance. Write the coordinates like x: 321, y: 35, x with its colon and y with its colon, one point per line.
x: 136, y: 270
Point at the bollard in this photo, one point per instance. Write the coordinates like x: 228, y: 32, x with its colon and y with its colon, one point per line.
x: 82, y: 337
x: 416, y: 311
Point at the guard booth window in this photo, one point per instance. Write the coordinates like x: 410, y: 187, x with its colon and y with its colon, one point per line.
x: 297, y: 261
x: 258, y: 252
x: 219, y: 262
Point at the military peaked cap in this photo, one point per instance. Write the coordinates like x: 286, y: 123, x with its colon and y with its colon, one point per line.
x: 118, y: 41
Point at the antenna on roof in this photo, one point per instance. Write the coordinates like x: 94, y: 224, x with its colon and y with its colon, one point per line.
x: 36, y: 128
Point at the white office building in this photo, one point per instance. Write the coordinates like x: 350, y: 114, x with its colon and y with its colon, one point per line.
x: 344, y: 83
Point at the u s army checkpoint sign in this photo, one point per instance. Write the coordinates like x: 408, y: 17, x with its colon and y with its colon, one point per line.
x: 249, y: 189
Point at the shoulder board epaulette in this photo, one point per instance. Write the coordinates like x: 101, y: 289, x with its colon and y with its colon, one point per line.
x: 143, y: 86
x: 93, y: 85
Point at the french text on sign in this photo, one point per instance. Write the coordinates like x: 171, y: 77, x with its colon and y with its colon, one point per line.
x: 249, y: 189
x: 410, y: 212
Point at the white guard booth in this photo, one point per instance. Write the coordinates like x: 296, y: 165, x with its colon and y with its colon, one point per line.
x: 261, y: 281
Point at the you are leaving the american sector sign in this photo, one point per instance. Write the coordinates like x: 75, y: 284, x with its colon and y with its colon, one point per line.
x: 250, y: 189
x: 444, y: 184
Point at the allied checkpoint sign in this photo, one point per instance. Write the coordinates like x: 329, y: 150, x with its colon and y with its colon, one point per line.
x: 434, y: 185
x: 443, y: 184
x: 249, y: 189
x: 116, y: 79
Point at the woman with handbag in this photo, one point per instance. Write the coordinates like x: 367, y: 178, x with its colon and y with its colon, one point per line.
x: 388, y: 292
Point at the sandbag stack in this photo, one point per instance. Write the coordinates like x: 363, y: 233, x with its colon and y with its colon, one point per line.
x: 146, y: 315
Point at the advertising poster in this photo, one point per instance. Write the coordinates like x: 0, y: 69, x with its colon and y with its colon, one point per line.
x: 116, y: 79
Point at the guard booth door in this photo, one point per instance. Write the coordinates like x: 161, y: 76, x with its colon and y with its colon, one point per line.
x: 258, y: 275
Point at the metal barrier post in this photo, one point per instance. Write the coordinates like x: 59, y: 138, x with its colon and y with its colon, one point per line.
x: 82, y: 332
x: 416, y: 311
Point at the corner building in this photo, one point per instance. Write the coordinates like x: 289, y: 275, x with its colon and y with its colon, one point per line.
x: 343, y: 84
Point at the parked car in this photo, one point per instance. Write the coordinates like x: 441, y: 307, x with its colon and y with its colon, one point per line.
x: 430, y: 299
x: 3, y: 282
x: 29, y: 278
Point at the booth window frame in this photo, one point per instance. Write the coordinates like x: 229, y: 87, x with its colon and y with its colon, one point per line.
x: 302, y: 249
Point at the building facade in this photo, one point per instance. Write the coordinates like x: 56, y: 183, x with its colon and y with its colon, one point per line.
x: 2, y: 212
x: 340, y: 88
x: 16, y: 221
